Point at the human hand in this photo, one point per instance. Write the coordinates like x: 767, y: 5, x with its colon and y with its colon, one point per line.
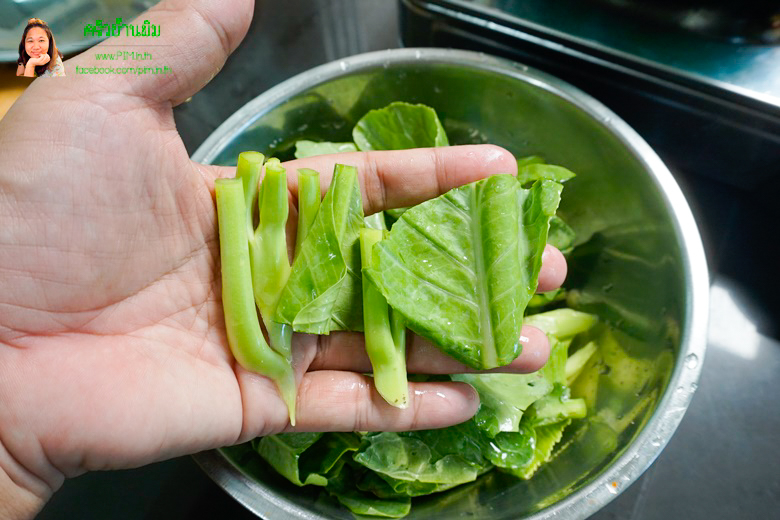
x: 43, y: 59
x: 113, y: 351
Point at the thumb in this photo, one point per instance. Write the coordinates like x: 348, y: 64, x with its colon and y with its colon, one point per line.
x: 195, y: 38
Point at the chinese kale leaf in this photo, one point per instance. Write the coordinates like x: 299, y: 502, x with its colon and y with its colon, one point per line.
x: 307, y: 458
x: 423, y: 462
x: 306, y: 148
x: 323, y: 291
x: 462, y: 267
x: 399, y: 126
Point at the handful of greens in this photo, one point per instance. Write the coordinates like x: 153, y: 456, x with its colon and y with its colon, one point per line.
x: 460, y: 270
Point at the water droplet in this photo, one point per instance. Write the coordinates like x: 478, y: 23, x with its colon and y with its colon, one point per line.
x: 417, y: 54
x: 680, y: 389
x: 691, y: 361
x: 612, y: 487
x: 656, y: 442
x: 694, y: 386
x: 343, y: 65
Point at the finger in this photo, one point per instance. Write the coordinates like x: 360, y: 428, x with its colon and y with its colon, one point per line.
x: 553, y: 271
x: 398, y: 178
x: 394, y: 179
x: 347, y: 401
x: 402, y: 178
x: 195, y: 38
x: 346, y: 351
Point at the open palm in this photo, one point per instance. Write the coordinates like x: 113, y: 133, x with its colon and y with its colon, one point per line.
x: 112, y: 344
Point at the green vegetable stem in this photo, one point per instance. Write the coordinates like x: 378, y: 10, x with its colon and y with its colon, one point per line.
x: 268, y: 254
x: 308, y: 203
x: 384, y: 335
x: 243, y: 328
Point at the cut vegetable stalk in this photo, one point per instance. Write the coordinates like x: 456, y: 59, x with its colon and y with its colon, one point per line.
x: 562, y: 323
x: 309, y: 199
x: 577, y: 361
x: 268, y: 252
x: 248, y: 170
x: 385, y: 341
x: 243, y: 329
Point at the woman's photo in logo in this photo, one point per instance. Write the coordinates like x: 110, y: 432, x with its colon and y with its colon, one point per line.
x: 38, y: 54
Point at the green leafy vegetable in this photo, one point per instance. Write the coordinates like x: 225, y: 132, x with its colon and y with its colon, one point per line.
x: 399, y: 126
x: 504, y: 398
x: 462, y: 267
x: 306, y: 148
x: 546, y: 437
x: 283, y: 453
x: 460, y: 270
x: 323, y: 291
x: 541, y: 301
x: 530, y: 159
x: 368, y: 503
x: 529, y: 173
x: 433, y: 459
x: 561, y: 235
x: 512, y: 450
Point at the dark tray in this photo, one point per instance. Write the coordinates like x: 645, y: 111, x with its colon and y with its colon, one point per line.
x: 706, y: 105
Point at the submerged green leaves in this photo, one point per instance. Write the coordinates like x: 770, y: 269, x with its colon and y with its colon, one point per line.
x: 399, y: 126
x: 519, y: 428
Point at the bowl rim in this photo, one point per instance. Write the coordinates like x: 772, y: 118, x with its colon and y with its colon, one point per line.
x: 649, y: 443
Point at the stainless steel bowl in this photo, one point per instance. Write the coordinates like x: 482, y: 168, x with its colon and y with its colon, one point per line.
x: 624, y: 201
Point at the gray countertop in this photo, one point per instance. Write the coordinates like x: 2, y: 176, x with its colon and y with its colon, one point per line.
x: 721, y: 462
